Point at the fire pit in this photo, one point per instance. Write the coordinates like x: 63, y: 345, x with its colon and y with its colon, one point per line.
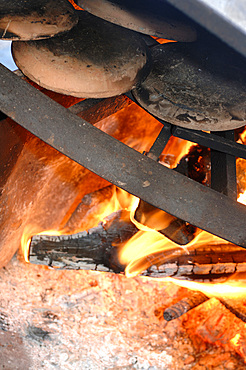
x: 69, y: 218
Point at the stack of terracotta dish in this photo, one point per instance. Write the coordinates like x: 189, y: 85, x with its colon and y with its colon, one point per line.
x: 101, y: 51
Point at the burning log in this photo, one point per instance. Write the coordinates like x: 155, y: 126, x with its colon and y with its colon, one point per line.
x: 88, y: 212
x: 196, y: 298
x: 236, y: 306
x: 92, y: 250
x: 203, y: 263
x: 98, y: 246
x: 184, y: 305
x: 172, y: 227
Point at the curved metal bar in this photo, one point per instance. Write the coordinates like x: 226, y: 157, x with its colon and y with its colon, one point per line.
x: 119, y: 164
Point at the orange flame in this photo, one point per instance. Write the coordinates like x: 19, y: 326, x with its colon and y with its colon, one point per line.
x: 235, y: 340
x: 119, y: 200
x: 75, y: 5
x: 141, y: 251
x: 161, y: 40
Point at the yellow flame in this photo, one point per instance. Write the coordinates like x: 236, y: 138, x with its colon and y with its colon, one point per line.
x: 242, y: 198
x: 235, y: 340
x: 233, y: 289
x: 139, y: 252
x: 243, y: 136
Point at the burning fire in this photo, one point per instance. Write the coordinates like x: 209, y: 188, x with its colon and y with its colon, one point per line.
x: 234, y: 289
x: 242, y: 198
x: 137, y: 251
x: 75, y: 5
x: 144, y: 248
x: 141, y: 251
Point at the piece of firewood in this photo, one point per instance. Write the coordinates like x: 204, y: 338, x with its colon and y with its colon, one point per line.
x: 186, y: 304
x: 85, y: 216
x: 173, y: 228
x: 236, y: 305
x: 195, y: 298
x: 94, y: 110
x: 89, y: 249
x: 203, y: 263
x: 94, y: 249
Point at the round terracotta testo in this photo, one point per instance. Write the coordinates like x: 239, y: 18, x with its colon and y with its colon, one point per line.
x: 197, y: 86
x: 95, y: 59
x: 155, y: 18
x: 35, y: 19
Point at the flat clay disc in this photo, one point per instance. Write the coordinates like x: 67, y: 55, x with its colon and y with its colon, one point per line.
x: 35, y: 19
x: 95, y: 59
x: 196, y: 86
x: 155, y: 18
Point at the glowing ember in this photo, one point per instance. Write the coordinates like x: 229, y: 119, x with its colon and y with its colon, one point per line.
x: 162, y: 41
x: 75, y: 5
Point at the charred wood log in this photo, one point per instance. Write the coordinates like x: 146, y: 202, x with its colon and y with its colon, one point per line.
x: 175, y: 229
x: 97, y: 249
x: 184, y: 305
x: 85, y: 216
x: 92, y: 250
x: 207, y: 263
x: 195, y: 298
x: 13, y: 138
x: 94, y: 110
x: 236, y: 306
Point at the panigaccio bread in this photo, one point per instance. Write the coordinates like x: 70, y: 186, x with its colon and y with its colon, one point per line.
x: 35, y: 19
x: 95, y: 59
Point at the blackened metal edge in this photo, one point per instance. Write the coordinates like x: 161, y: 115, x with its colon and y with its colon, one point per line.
x: 119, y: 164
x: 221, y: 25
x: 211, y: 141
